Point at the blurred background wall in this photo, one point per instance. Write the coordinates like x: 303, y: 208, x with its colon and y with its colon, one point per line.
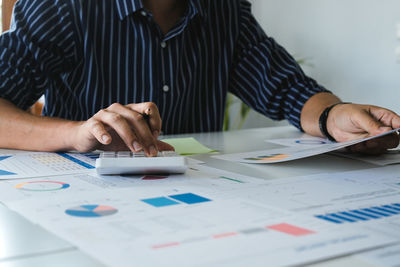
x: 350, y: 44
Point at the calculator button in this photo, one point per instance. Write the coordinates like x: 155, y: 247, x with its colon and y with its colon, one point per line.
x: 107, y: 155
x: 124, y: 154
x: 169, y: 153
x: 138, y: 154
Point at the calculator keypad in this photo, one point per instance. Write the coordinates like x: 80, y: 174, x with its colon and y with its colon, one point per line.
x: 128, y: 154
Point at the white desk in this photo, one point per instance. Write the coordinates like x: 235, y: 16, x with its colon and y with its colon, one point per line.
x: 25, y: 244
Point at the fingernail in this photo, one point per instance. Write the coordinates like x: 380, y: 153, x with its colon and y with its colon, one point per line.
x: 137, y: 146
x: 153, y: 151
x: 156, y: 134
x: 105, y: 138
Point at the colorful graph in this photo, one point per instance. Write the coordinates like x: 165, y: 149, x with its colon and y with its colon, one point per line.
x: 284, y: 228
x: 190, y: 198
x: 160, y: 202
x: 3, y: 172
x: 359, y: 215
x: 187, y: 198
x: 271, y: 157
x: 154, y: 177
x: 91, y: 211
x: 311, y: 142
x: 42, y: 186
x: 290, y: 229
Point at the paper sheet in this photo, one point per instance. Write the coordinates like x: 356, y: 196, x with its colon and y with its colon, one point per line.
x: 39, y: 164
x: 308, y: 141
x: 198, y: 176
x: 389, y: 158
x: 368, y: 198
x: 292, y: 153
x: 188, y: 146
x: 159, y: 228
x: 387, y: 256
x: 304, y: 141
x: 231, y: 222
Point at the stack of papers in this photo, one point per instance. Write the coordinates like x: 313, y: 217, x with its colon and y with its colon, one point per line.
x: 206, y: 217
x: 176, y: 220
x: 300, y: 149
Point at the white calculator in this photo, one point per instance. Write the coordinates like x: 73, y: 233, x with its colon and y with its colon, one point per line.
x: 114, y: 163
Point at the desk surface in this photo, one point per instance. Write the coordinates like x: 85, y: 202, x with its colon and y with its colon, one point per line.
x: 23, y: 243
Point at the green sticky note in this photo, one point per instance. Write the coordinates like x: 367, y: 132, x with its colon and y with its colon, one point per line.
x: 188, y: 146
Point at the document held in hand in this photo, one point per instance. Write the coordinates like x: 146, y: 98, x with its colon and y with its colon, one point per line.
x: 292, y: 153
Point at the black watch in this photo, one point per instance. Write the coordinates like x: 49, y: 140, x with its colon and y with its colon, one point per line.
x: 324, y: 118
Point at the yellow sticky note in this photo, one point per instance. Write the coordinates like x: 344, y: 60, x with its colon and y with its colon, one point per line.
x: 188, y: 146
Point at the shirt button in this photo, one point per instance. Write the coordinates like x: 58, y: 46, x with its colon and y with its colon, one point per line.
x: 165, y: 88
x: 144, y: 14
x: 163, y: 44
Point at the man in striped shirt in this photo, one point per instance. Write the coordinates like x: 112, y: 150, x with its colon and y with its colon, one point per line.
x: 112, y: 69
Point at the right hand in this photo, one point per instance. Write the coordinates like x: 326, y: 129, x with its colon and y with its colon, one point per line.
x: 352, y: 121
x: 119, y: 128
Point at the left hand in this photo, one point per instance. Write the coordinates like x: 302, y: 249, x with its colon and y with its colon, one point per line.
x: 352, y: 121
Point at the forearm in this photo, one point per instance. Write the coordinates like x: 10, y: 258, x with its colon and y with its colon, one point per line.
x: 22, y: 130
x: 312, y: 110
x: 7, y: 8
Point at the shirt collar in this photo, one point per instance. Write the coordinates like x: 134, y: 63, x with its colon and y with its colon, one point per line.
x: 127, y: 7
x: 197, y: 7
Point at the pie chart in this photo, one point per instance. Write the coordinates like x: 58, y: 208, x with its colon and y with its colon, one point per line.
x: 42, y: 186
x: 91, y: 211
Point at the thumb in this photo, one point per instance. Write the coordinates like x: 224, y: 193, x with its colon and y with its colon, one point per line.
x: 370, y: 125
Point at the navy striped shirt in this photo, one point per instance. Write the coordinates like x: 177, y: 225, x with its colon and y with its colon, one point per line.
x: 85, y: 55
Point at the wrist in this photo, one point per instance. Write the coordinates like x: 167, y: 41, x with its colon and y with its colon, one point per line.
x: 68, y: 134
x: 323, y: 120
x: 312, y: 110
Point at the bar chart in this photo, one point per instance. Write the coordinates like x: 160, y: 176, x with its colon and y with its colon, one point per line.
x: 283, y: 228
x: 187, y: 198
x: 362, y: 214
